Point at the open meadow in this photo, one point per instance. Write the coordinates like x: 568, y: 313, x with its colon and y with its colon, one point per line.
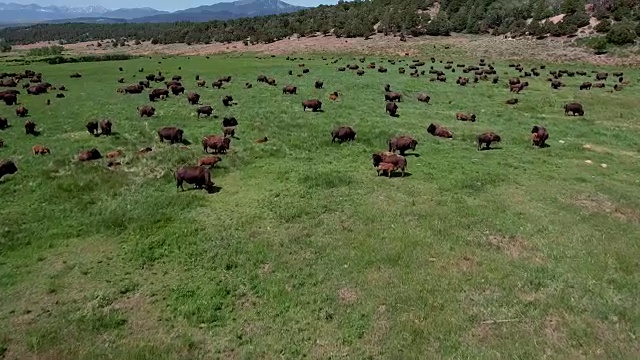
x: 303, y: 251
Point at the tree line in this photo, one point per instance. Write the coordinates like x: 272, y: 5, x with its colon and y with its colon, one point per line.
x: 362, y: 18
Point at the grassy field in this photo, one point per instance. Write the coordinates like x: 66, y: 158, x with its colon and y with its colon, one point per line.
x: 516, y: 252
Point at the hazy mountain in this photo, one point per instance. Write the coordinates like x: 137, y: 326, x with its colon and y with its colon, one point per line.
x: 12, y: 13
x: 17, y: 13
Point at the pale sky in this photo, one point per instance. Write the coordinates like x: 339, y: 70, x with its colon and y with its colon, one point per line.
x: 167, y: 5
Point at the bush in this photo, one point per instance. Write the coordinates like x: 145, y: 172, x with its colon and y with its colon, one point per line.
x: 46, y: 51
x: 598, y: 44
x: 137, y: 42
x: 154, y: 41
x: 621, y: 34
x: 638, y: 29
x: 579, y: 19
x: 603, y: 26
x: 4, y: 46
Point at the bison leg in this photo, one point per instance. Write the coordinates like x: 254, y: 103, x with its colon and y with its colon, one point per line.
x: 179, y: 184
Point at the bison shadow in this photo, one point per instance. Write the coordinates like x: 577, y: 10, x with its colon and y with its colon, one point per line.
x: 395, y: 115
x: 212, y: 190
x: 35, y: 133
x: 412, y: 154
x: 544, y: 146
x: 397, y: 174
x: 185, y: 142
x: 491, y: 148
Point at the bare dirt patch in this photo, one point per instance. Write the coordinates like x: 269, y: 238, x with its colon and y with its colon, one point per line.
x: 481, y: 334
x: 554, y: 331
x: 606, y: 150
x: 514, y: 247
x: 600, y: 204
x: 347, y: 296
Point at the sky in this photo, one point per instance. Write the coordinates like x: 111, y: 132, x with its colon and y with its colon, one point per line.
x: 167, y: 5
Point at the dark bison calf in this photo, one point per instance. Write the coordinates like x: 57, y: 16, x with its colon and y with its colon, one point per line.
x: 539, y: 136
x: 217, y: 143
x: 22, y: 111
x: 440, y: 131
x: 88, y: 155
x: 318, y: 84
x: 229, y: 131
x: 105, y: 127
x: 198, y: 176
x: 398, y: 161
x: 193, y: 98
x: 30, y: 128
x: 391, y: 108
x: 402, y: 144
x: 92, y: 127
x: 574, y: 109
x: 173, y: 134
x: 227, y: 100
x: 4, y: 123
x: 146, y: 110
x: 486, y: 139
x: 7, y: 168
x: 511, y: 101
x: 229, y: 121
x: 342, y: 134
x: 392, y: 96
x: 313, y: 104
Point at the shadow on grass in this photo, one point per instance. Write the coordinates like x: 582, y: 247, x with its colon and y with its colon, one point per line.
x: 490, y: 148
x: 395, y: 174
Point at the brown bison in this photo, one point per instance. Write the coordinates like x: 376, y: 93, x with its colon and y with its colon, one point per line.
x: 599, y: 85
x: 486, y: 139
x: 464, y: 117
x: 462, y: 81
x: 262, y: 140
x: 602, y: 76
x: 88, y: 155
x: 229, y: 131
x: 422, y: 97
x: 171, y: 133
x: 7, y: 168
x: 218, y: 144
x: 342, y: 134
x: 229, y: 121
x: 216, y: 84
x: 201, y: 83
x: 360, y: 72
x: 385, y: 168
x: 556, y: 84
x: 199, y: 176
x: 176, y: 90
x: 156, y: 93
x: 392, y: 96
x: 105, y: 127
x: 391, y: 108
x: 40, y: 150
x: 440, y: 131
x: 333, y: 96
x: 289, y: 89
x: 193, y: 98
x: 402, y: 144
x: 271, y: 81
x: 204, y: 110
x: 585, y: 86
x: 92, y: 127
x: 262, y: 78
x: 209, y: 160
x: 171, y: 83
x: 75, y: 76
x: 225, y: 79
x: 4, y: 123
x: 22, y: 111
x: 10, y: 99
x: 398, y: 161
x: 539, y: 136
x: 133, y: 89
x: 146, y: 110
x: 574, y: 109
x: 114, y: 154
x: 313, y: 104
x: 618, y: 87
x: 318, y: 84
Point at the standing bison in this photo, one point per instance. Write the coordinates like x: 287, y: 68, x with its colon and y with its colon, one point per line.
x: 30, y: 128
x: 199, y: 176
x: 539, y: 136
x: 7, y: 168
x: 289, y: 89
x: 229, y: 121
x: 574, y: 109
x: 402, y: 144
x: 146, y: 110
x: 398, y: 161
x: 392, y: 96
x: 391, y: 108
x: 22, y: 111
x: 105, y: 127
x: 217, y: 143
x: 313, y: 104
x: 172, y: 134
x: 92, y: 127
x: 204, y: 110
x: 10, y: 99
x: 422, y: 97
x: 486, y: 139
x: 193, y: 98
x: 342, y: 134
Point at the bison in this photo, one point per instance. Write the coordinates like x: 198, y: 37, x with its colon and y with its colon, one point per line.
x: 133, y: 89
x: 342, y: 134
x: 201, y: 83
x: 585, y: 86
x: 204, y: 110
x: 399, y: 161
x: 229, y: 131
x: 511, y: 101
x: 40, y: 150
x: 262, y: 140
x: 313, y: 104
x: 105, y: 127
x: 318, y: 84
x: 218, y: 144
x: 176, y: 90
x: 92, y: 127
x: 10, y: 99
x: 199, y: 176
x: 385, y: 167
x: 602, y: 76
x: 539, y: 136
x: 392, y: 96
x: 7, y: 168
x: 157, y: 93
x: 333, y: 96
x: 227, y: 100
x: 146, y: 110
x: 172, y: 134
x: 464, y: 117
x: 30, y: 128
x: 486, y: 139
x: 289, y: 89
x: 193, y: 98
x: 22, y: 111
x: 422, y: 97
x: 4, y: 123
x: 88, y: 155
x: 209, y: 160
x: 402, y: 144
x: 229, y: 121
x: 440, y: 131
x: 574, y: 109
x: 391, y: 108
x: 216, y: 84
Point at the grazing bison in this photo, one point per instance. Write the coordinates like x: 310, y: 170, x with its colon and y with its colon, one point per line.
x: 88, y: 155
x: 114, y: 154
x: 539, y: 136
x: 199, y: 176
x: 229, y: 121
x: 342, y: 134
x: 227, y: 100
x: 602, y: 76
x: 318, y: 84
x: 462, y: 81
x: 150, y: 77
x: 486, y: 139
x: 618, y: 74
x: 313, y: 104
x: 171, y: 83
x: 248, y: 85
x: 399, y: 161
x: 201, y: 83
x: 574, y: 109
x: 218, y: 144
x: 146, y: 110
x: 333, y: 96
x: 392, y: 96
x: 22, y: 111
x: 121, y: 80
x: 144, y: 84
x: 391, y: 108
x: 262, y: 78
x: 157, y: 93
x: 75, y: 76
x: 598, y: 85
x: 209, y: 160
x: 511, y: 101
x: 176, y: 90
x: 402, y: 144
x: 92, y: 127
x: 133, y: 89
x: 464, y: 117
x: 289, y: 89
x: 10, y: 99
x: 40, y: 150
x: 216, y: 84
x: 105, y: 127
x: 229, y: 131
x: 225, y: 79
x: 585, y: 86
x: 556, y: 84
x: 385, y: 168
x: 4, y: 123
x: 176, y: 78
x: 204, y: 110
x: 422, y: 97
x: 30, y: 128
x: 193, y: 98
x: 37, y: 89
x: 440, y: 131
x: 271, y: 81
x: 618, y: 87
x: 387, y: 88
x: 7, y: 168
x: 171, y: 133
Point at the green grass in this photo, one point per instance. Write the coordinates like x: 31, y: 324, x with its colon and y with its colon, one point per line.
x: 305, y: 253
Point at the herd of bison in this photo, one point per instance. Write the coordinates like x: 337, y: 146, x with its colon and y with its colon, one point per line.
x: 385, y: 162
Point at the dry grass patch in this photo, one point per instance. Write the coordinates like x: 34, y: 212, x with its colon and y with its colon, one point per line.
x: 515, y: 247
x: 600, y: 204
x: 347, y: 296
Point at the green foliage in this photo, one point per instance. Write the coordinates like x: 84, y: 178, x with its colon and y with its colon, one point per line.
x: 578, y: 18
x: 4, y: 46
x: 603, y: 26
x: 599, y: 44
x: 570, y: 7
x: 438, y: 27
x: 46, y: 51
x: 621, y: 34
x: 637, y: 29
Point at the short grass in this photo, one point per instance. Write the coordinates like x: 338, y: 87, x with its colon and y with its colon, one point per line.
x: 516, y: 252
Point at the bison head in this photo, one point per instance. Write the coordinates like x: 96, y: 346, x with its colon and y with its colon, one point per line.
x: 432, y: 129
x: 377, y: 159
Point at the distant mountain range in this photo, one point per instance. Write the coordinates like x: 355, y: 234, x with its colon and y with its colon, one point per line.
x: 12, y: 13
